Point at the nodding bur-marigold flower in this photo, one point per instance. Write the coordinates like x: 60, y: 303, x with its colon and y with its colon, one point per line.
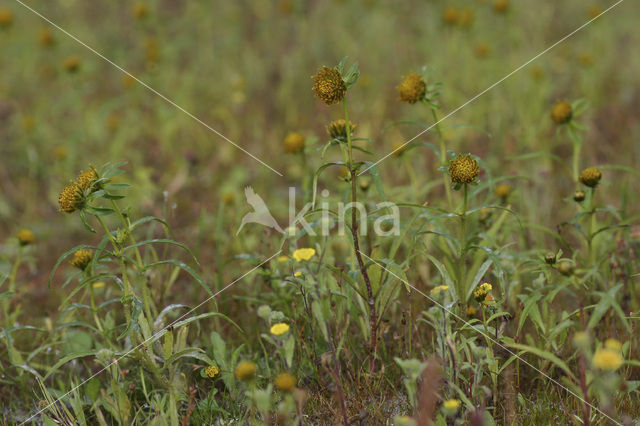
x: 501, y: 6
x: 578, y: 196
x: 590, y: 177
x: 82, y: 258
x: 72, y: 64
x: 6, y: 17
x: 450, y: 16
x: 212, y: 371
x: 329, y: 86
x: 25, y: 237
x: 502, y: 191
x: 285, y: 382
x: 337, y: 129
x: 565, y: 268
x: 550, y: 258
x: 246, y: 370
x: 561, y: 112
x: 71, y: 198
x: 45, y: 37
x: 412, y: 88
x: 450, y: 406
x: 481, y: 291
x: 86, y: 179
x: 463, y: 169
x: 140, y: 11
x: 294, y: 142
x: 607, y: 359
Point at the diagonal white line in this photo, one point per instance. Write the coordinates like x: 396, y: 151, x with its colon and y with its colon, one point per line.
x: 494, y: 341
x: 493, y: 85
x: 156, y: 335
x: 151, y: 89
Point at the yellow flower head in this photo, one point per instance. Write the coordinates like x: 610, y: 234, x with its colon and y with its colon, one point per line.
x: 45, y: 37
x: 437, y: 290
x: 337, y: 129
x: 285, y: 382
x: 71, y: 198
x: 86, y: 178
x: 463, y: 169
x: 613, y: 344
x: 412, y: 88
x: 98, y: 284
x: 481, y: 292
x: 399, y: 148
x: 25, y: 237
x: 329, y: 86
x: 279, y: 329
x: 297, y: 274
x: 561, y: 112
x: 140, y: 11
x: 304, y: 254
x: 450, y: 16
x: 451, y: 404
x: 590, y: 177
x: 578, y: 196
x: 6, y: 17
x: 72, y: 64
x: 501, y: 6
x: 246, y: 370
x: 212, y: 371
x: 607, y: 359
x: 294, y: 143
x: 471, y: 311
x: 282, y: 259
x: 82, y: 258
x: 503, y: 190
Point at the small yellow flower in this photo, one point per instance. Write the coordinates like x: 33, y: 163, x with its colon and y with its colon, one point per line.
x: 45, y: 37
x: 329, y: 86
x: 212, y: 371
x: 607, y: 359
x: 98, y: 284
x: 471, y: 311
x: 464, y: 169
x: 481, y: 291
x: 285, y: 382
x: 294, y: 143
x: 279, y: 329
x: 613, y: 344
x: 337, y: 129
x: 72, y: 64
x: 6, y: 17
x: 82, y: 258
x: 561, y: 112
x: 581, y: 339
x: 502, y: 191
x: 304, y: 254
x: 451, y: 404
x: 246, y: 370
x: 26, y: 237
x: 437, y: 290
x: 86, y: 178
x: 590, y: 177
x: 297, y: 274
x: 412, y: 88
x: 282, y: 259
x: 71, y: 198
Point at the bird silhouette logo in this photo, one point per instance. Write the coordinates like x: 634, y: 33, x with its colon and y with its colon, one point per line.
x: 260, y: 213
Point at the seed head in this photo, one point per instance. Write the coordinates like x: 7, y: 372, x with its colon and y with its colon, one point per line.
x: 337, y: 129
x: 45, y: 37
x: 285, y: 382
x: 482, y: 291
x: 463, y: 169
x: 590, y: 177
x: 72, y: 64
x: 82, y: 258
x: 578, y: 196
x: 450, y: 16
x: 71, y: 198
x: 329, y: 86
x: 294, y: 143
x: 550, y: 258
x: 412, y: 88
x: 246, y: 370
x: 502, y: 191
x: 6, y: 17
x: 140, y: 11
x: 561, y: 112
x: 26, y: 237
x: 501, y: 6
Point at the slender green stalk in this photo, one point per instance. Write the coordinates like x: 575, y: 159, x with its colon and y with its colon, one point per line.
x: 12, y: 286
x: 443, y: 158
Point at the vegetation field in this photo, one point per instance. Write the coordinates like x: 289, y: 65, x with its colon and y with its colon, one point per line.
x: 319, y: 212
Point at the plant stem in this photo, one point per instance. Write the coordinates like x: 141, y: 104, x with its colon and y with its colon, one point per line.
x: 12, y: 286
x: 463, y: 244
x: 373, y: 319
x: 443, y: 158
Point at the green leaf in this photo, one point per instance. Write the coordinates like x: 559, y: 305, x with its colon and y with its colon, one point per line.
x: 68, y: 358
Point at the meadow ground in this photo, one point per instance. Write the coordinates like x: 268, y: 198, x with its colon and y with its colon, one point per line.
x: 319, y: 212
